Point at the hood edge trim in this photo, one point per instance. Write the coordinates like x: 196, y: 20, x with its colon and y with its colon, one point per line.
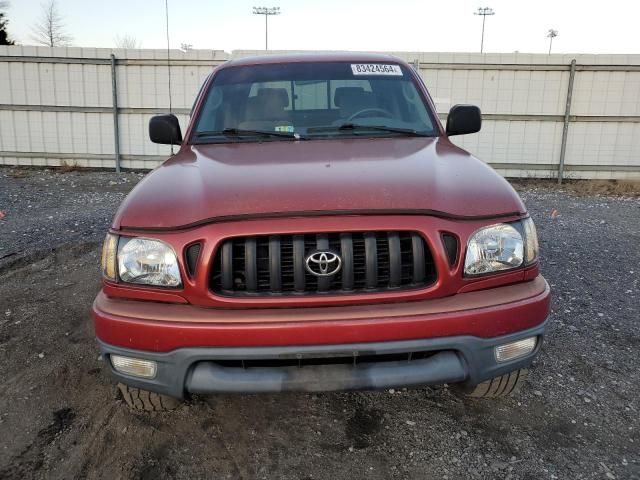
x: 319, y: 213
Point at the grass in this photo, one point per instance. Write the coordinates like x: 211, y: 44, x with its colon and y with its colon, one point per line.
x: 69, y: 166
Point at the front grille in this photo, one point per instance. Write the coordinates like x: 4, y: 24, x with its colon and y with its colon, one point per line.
x: 275, y: 264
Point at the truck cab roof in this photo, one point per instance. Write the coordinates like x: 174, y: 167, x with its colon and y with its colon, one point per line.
x: 312, y: 57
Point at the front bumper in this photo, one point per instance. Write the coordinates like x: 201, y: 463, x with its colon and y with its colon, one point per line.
x: 164, y: 327
x: 199, y: 370
x: 190, y: 345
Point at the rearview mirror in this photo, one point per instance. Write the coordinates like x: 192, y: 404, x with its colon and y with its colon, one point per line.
x: 463, y: 119
x: 165, y: 129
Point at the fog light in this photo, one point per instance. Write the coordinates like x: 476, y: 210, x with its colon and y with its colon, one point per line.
x: 509, y: 351
x: 134, y: 366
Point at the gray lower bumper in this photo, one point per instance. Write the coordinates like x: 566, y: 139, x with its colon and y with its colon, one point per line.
x: 208, y: 377
x: 194, y: 370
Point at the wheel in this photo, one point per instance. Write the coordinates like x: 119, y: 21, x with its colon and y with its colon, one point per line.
x: 139, y: 399
x: 501, y: 386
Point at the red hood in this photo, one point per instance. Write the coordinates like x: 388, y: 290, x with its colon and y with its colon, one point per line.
x: 391, y: 175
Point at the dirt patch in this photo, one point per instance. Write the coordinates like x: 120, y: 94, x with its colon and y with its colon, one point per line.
x: 363, y: 425
x: 29, y: 462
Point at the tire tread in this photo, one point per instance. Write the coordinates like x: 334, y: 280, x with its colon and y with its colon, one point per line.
x: 138, y: 399
x: 501, y: 386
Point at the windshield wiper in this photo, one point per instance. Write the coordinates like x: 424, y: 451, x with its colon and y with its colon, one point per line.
x: 355, y: 126
x: 239, y: 132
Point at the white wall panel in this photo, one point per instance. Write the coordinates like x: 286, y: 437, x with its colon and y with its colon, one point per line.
x: 148, y: 86
x: 607, y: 93
x: 499, y: 92
x: 526, y: 142
x: 76, y: 116
x: 606, y: 143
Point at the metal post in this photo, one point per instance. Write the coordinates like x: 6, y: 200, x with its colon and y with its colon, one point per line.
x: 552, y: 34
x: 484, y: 11
x: 567, y: 114
x: 266, y: 12
x: 116, y: 129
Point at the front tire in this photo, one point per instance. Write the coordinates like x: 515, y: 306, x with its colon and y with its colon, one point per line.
x: 502, y: 386
x: 139, y: 399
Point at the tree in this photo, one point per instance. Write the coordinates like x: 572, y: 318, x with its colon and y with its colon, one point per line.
x: 126, y: 41
x: 4, y: 36
x: 50, y: 30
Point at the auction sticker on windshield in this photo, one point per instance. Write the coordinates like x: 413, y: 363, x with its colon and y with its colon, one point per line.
x: 375, y: 69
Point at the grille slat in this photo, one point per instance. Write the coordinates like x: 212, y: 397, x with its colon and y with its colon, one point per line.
x: 418, y: 258
x: 275, y: 278
x: 227, y: 265
x: 346, y: 251
x: 371, y: 260
x: 395, y: 259
x: 322, y: 243
x: 275, y: 264
x: 250, y: 264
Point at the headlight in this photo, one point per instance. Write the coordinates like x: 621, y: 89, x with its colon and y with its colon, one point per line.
x: 494, y: 248
x: 147, y: 262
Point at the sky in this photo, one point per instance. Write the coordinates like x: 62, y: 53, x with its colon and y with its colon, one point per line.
x: 585, y: 26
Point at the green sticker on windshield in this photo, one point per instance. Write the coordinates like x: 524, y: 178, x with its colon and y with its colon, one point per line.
x: 284, y: 128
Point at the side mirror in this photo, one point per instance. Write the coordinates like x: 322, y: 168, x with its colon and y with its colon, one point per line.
x: 165, y: 129
x: 463, y: 119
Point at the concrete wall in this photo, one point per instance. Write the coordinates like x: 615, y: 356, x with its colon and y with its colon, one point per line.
x: 56, y: 105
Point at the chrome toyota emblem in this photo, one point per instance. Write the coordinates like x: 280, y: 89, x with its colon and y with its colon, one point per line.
x: 323, y: 263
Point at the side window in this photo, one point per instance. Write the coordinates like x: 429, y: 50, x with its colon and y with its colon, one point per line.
x: 211, y: 111
x: 199, y: 94
x: 416, y: 110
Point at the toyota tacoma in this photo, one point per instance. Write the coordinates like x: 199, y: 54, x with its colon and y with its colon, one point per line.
x: 317, y: 230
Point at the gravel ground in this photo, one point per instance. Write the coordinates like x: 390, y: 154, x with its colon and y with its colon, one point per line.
x: 60, y: 416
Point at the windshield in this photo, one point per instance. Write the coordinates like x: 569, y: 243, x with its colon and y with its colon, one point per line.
x: 312, y: 100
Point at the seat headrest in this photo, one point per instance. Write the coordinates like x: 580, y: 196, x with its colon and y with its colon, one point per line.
x: 343, y: 93
x: 277, y: 97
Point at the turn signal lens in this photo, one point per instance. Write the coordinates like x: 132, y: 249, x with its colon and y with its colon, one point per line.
x: 513, y: 350
x: 109, y: 250
x: 134, y: 366
x: 531, y: 240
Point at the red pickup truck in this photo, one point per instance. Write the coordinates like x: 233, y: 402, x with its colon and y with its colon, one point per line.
x: 317, y: 230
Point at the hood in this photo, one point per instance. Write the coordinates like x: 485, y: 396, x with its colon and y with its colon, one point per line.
x: 384, y: 175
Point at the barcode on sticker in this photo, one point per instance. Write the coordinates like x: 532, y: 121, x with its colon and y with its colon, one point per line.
x: 375, y: 69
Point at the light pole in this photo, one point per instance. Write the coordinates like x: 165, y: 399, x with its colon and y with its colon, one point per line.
x: 266, y: 11
x: 552, y: 34
x: 483, y: 12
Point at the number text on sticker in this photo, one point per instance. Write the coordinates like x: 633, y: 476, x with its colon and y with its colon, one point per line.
x: 375, y: 69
